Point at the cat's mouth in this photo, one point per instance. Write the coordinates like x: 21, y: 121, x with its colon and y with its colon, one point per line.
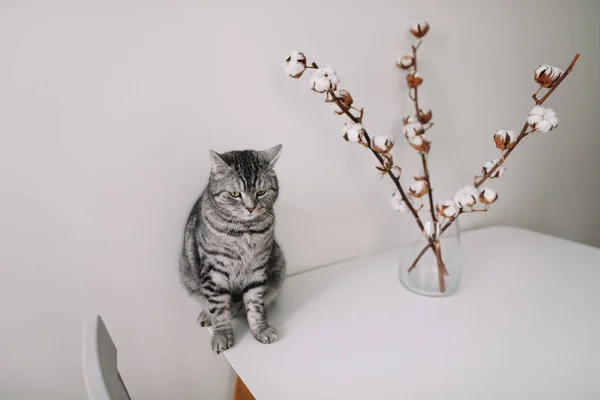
x: 249, y: 215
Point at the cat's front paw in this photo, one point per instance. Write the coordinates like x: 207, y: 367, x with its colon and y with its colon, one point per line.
x: 221, y: 341
x: 267, y: 335
x: 204, y: 319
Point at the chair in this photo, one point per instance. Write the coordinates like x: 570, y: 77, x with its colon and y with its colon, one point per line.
x: 99, y: 357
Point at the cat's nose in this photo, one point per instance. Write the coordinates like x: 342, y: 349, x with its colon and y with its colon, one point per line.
x: 250, y: 209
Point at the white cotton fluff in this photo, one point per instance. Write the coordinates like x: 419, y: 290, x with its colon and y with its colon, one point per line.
x: 416, y: 140
x: 544, y: 126
x: 471, y: 190
x: 405, y: 61
x: 466, y: 197
x: 499, y: 172
x: 534, y: 119
x: 413, y: 129
x: 487, y: 167
x: 412, y: 118
x: 417, y: 75
x: 419, y: 175
x: 553, y: 121
x: 551, y: 117
x: 543, y: 119
x: 295, y: 64
x: 425, y: 111
x: 353, y: 132
x: 538, y: 110
x: 488, y: 196
x: 553, y: 72
x: 418, y: 187
x: 296, y: 56
x: 398, y: 204
x: 294, y: 69
x: 324, y: 79
x: 503, y: 134
x: 383, y: 142
x: 449, y: 208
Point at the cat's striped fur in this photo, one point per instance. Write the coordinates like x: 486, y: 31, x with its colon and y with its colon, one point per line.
x: 230, y: 261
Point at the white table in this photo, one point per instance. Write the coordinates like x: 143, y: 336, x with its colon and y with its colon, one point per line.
x: 525, y: 324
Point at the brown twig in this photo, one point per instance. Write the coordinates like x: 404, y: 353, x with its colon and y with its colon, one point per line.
x: 485, y: 177
x: 442, y: 271
x: 395, y: 179
x: 423, y: 155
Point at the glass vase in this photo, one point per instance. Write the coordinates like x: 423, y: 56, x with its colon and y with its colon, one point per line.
x: 422, y: 272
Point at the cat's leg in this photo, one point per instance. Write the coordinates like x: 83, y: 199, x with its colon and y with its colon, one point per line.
x: 220, y: 312
x: 275, y: 274
x: 254, y: 300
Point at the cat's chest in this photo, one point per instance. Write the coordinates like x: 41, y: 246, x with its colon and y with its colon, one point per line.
x: 249, y: 248
x: 251, y: 253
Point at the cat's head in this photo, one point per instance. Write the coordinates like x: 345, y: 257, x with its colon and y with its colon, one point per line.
x: 244, y: 183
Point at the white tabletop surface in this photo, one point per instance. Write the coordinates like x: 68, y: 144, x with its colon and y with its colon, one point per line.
x: 525, y: 324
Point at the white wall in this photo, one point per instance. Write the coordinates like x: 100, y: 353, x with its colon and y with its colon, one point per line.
x: 108, y: 109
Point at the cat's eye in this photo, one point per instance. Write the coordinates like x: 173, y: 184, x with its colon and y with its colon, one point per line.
x: 261, y: 193
x: 235, y: 194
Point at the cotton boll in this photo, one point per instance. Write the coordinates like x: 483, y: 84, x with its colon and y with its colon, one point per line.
x: 544, y: 126
x: 419, y: 175
x: 420, y: 143
x: 498, y: 173
x: 419, y: 29
x: 412, y: 129
x: 324, y: 79
x: 295, y: 64
x: 382, y: 144
x: 447, y: 209
x: 410, y: 119
x: 414, y: 80
x: 487, y: 167
x: 505, y: 139
x: 425, y: 115
x: 418, y: 189
x: 538, y: 110
x: 466, y: 197
x: 547, y: 75
x: 534, y: 119
x: 398, y: 204
x: 549, y: 113
x: 406, y: 61
x: 353, y: 133
x: 396, y: 171
x: 488, y: 196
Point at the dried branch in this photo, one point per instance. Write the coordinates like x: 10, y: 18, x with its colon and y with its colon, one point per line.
x: 423, y: 156
x: 490, y: 173
x: 389, y: 172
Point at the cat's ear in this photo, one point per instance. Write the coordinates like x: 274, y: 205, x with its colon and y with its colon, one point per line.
x: 273, y: 154
x: 218, y: 165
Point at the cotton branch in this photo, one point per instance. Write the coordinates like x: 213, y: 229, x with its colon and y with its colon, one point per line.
x: 523, y: 133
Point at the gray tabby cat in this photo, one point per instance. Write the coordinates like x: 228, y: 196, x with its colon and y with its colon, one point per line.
x: 231, y: 262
